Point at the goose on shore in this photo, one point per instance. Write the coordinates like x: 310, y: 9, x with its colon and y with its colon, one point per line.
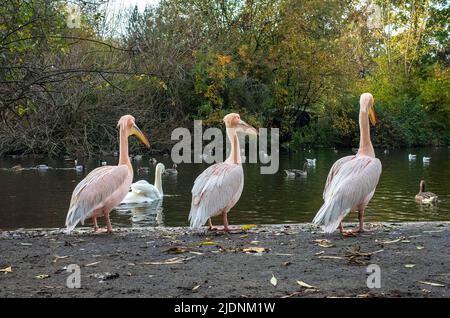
x: 425, y: 197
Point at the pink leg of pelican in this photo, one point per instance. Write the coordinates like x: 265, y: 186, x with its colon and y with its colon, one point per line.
x: 360, y: 227
x: 225, y: 222
x: 95, y: 224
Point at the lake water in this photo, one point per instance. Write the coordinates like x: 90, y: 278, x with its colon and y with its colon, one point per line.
x: 32, y: 198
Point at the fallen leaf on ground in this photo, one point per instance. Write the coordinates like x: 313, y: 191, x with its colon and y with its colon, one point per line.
x: 57, y: 257
x: 330, y: 257
x: 92, y: 264
x: 420, y: 247
x: 6, y: 270
x: 303, y: 284
x: 274, y: 280
x: 26, y: 244
x: 319, y: 253
x: 209, y: 243
x: 176, y: 250
x: 195, y: 288
x: 410, y: 265
x: 324, y: 243
x: 175, y: 260
x: 431, y: 284
x: 196, y: 253
x: 247, y: 227
x: 391, y: 241
x: 42, y: 276
x: 254, y: 249
x: 243, y: 236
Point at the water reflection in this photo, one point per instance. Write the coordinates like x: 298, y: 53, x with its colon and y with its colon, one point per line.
x: 33, y: 198
x: 142, y: 215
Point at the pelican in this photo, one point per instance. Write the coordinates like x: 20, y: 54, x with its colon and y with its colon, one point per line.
x: 144, y: 192
x: 217, y: 189
x: 425, y: 197
x: 352, y: 180
x: 426, y: 159
x: 311, y: 162
x: 104, y: 187
x: 172, y: 171
x: 411, y: 157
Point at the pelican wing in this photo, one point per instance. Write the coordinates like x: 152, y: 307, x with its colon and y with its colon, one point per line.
x: 334, y: 170
x: 215, y: 190
x: 350, y: 184
x: 92, y: 191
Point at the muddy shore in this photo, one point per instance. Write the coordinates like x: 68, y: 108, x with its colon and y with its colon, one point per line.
x: 414, y: 260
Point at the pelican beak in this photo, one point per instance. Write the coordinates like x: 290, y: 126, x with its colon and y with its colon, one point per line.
x: 372, y: 116
x: 140, y: 135
x: 246, y: 128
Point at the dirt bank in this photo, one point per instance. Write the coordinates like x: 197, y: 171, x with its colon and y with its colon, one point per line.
x: 414, y: 259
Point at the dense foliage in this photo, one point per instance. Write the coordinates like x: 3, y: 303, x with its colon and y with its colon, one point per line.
x: 65, y: 78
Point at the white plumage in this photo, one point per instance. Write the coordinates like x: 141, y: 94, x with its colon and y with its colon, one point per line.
x: 144, y: 192
x: 350, y: 185
x: 216, y: 190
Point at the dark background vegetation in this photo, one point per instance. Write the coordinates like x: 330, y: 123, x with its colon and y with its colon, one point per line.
x: 296, y: 65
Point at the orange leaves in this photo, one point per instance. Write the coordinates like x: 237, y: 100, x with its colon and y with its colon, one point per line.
x: 224, y: 59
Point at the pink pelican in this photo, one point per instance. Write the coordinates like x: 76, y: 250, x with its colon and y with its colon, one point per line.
x: 217, y: 189
x: 352, y: 180
x: 105, y: 187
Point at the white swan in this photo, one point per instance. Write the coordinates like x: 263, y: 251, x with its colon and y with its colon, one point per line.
x: 426, y: 159
x: 411, y: 157
x: 144, y: 192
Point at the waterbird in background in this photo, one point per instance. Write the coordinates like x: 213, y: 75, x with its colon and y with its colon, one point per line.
x: 297, y: 172
x: 171, y: 171
x: 426, y: 159
x: 78, y: 167
x: 352, y: 180
x: 105, y: 187
x: 311, y: 162
x: 144, y: 192
x: 217, y: 189
x: 411, y: 157
x: 425, y: 197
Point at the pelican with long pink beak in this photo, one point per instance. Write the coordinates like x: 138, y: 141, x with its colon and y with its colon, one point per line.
x: 217, y: 189
x: 105, y: 187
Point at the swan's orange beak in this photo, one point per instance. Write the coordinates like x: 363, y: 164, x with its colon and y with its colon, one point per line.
x: 140, y: 135
x: 372, y: 116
